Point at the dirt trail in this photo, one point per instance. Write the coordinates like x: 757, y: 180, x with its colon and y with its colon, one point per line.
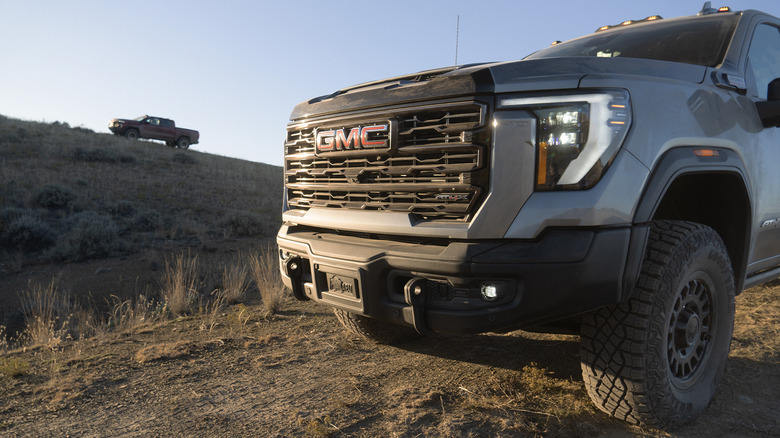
x: 300, y: 374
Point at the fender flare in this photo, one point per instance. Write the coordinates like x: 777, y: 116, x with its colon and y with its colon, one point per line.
x: 681, y: 161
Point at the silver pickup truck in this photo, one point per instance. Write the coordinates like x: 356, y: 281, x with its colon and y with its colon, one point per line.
x: 622, y: 185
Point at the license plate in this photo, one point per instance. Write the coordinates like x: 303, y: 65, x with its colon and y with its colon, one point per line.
x: 342, y: 285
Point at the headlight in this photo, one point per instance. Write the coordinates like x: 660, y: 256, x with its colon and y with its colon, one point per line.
x: 577, y: 135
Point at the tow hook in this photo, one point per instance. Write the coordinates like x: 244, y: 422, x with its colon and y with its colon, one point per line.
x: 294, y: 268
x: 414, y: 294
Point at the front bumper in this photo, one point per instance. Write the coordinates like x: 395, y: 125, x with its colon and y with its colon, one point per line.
x: 115, y: 128
x: 436, y: 286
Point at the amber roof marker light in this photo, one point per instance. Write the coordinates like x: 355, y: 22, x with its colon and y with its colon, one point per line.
x: 630, y: 23
x: 707, y: 9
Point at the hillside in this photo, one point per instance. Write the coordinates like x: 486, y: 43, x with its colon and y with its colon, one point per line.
x: 74, y: 202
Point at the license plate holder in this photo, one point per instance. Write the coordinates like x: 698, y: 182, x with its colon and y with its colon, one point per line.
x: 343, y: 286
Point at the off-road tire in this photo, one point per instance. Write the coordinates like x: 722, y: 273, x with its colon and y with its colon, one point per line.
x: 183, y: 143
x: 655, y: 360
x: 132, y: 134
x: 378, y: 331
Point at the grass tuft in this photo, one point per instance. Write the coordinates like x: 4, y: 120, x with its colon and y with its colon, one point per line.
x: 211, y: 310
x: 234, y: 283
x: 265, y: 271
x: 129, y: 314
x: 47, y: 314
x: 179, y: 280
x: 13, y: 367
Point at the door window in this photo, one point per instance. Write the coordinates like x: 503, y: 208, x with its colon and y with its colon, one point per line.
x: 764, y: 57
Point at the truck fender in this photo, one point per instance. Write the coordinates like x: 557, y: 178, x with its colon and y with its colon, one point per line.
x: 698, y: 163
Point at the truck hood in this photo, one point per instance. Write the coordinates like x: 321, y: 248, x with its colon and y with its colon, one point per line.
x: 124, y: 121
x: 502, y: 77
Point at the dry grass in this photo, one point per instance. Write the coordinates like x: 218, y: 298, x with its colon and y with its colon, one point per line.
x: 53, y: 316
x: 534, y: 394
x: 5, y: 344
x: 13, y: 367
x: 234, y: 283
x: 210, y: 310
x: 265, y: 271
x: 179, y: 280
x: 163, y: 351
x: 126, y: 315
x: 48, y: 314
x: 756, y: 332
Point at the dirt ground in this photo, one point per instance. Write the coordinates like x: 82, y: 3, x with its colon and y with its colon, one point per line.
x: 298, y: 373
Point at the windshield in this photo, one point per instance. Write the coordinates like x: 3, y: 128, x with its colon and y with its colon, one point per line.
x: 694, y: 40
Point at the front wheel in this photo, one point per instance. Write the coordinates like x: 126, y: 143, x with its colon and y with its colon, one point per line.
x: 656, y: 359
x: 378, y: 331
x: 132, y: 134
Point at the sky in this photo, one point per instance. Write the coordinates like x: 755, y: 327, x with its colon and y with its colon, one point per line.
x: 234, y: 69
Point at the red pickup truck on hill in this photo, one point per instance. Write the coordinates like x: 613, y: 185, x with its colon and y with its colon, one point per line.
x: 156, y: 128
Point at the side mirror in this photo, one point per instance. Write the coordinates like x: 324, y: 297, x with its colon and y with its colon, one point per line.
x: 769, y: 110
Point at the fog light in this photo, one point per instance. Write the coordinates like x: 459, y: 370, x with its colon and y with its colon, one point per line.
x: 293, y: 267
x: 489, y: 291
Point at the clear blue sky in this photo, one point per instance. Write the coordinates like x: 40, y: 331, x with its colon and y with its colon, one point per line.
x: 235, y: 69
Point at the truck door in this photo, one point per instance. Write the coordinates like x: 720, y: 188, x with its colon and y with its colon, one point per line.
x: 152, y: 128
x: 763, y: 66
x: 167, y: 130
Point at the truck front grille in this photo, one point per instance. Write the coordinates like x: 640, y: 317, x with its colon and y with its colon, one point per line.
x: 431, y: 161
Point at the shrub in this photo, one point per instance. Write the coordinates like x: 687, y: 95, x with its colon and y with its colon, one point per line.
x: 95, y: 155
x: 122, y: 208
x: 28, y: 233
x: 245, y: 224
x: 101, y: 156
x: 127, y: 159
x: 146, y: 221
x: 82, y: 128
x: 10, y: 214
x: 90, y: 236
x: 184, y: 158
x: 54, y: 197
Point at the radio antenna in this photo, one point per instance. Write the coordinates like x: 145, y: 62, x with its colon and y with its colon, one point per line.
x: 457, y: 34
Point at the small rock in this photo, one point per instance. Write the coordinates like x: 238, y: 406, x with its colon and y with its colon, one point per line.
x: 745, y: 399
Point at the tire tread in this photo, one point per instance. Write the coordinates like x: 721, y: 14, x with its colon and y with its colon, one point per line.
x: 619, y: 366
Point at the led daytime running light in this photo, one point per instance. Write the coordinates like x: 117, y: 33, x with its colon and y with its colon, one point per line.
x: 577, y: 135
